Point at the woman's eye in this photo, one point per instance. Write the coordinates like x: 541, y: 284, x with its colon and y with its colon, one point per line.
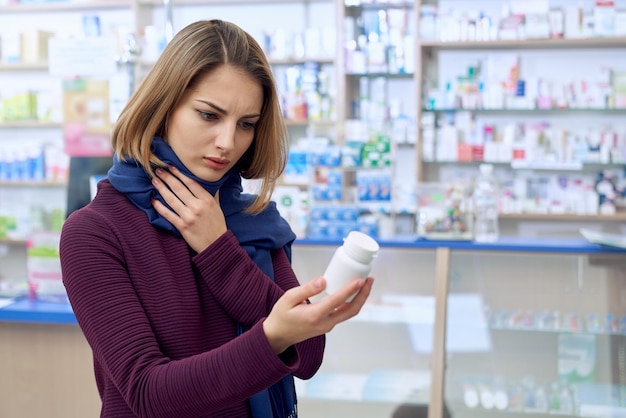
x: 248, y: 125
x: 207, y: 115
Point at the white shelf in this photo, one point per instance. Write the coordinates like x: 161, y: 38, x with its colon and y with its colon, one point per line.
x: 16, y: 242
x: 302, y: 60
x: 609, y: 42
x: 34, y: 184
x: 307, y: 122
x: 552, y: 217
x: 536, y: 165
x: 226, y: 2
x: 30, y: 125
x: 618, y: 111
x: 65, y: 6
x: 24, y: 66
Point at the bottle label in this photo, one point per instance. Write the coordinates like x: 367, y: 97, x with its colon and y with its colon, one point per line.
x: 485, y: 200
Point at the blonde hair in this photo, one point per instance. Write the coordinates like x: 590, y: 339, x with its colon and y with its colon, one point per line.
x: 196, y: 50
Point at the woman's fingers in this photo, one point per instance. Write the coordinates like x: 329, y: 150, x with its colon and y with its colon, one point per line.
x: 297, y: 295
x: 172, y: 186
x: 192, y: 210
x: 179, y: 191
x: 190, y: 185
x: 347, y: 310
x: 291, y: 320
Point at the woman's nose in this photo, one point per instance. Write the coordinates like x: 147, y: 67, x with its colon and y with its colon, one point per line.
x: 226, y: 137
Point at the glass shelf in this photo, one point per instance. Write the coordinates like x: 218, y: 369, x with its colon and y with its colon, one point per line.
x: 24, y: 66
x: 378, y: 5
x: 531, y: 364
x: 566, y: 166
x: 32, y: 183
x: 30, y: 124
x: 64, y: 6
x: 529, y: 111
x: 386, y: 75
x: 300, y: 61
x: 608, y: 42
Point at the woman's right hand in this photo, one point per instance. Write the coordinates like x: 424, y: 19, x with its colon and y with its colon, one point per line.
x: 195, y: 213
x: 293, y: 319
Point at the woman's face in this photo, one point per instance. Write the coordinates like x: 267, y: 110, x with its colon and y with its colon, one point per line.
x: 214, y: 123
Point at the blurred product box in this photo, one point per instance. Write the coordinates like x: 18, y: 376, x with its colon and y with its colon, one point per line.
x: 44, y: 268
x: 444, y: 212
x: 34, y: 45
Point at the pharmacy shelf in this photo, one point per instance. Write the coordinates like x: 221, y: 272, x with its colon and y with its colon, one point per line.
x: 64, y: 6
x: 535, y: 165
x: 307, y: 122
x: 225, y: 2
x: 553, y: 217
x: 530, y: 111
x: 554, y: 165
x: 24, y: 66
x: 30, y: 124
x: 609, y: 42
x: 16, y: 242
x: 301, y: 60
x: 531, y: 330
x: 391, y: 76
x: 408, y: 4
x: 33, y: 184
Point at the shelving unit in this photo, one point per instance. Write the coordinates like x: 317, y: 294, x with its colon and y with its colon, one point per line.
x: 32, y: 184
x: 65, y: 6
x: 554, y: 43
x: 152, y: 12
x: 21, y: 66
x: 430, y: 52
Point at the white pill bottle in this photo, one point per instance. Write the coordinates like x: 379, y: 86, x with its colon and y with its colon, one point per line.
x: 353, y: 259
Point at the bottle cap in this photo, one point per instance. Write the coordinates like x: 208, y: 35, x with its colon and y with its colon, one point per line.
x: 360, y: 246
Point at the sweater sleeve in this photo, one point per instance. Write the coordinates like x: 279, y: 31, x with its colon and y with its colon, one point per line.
x: 116, y: 327
x: 237, y: 283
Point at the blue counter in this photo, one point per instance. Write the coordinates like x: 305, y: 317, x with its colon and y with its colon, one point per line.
x: 510, y: 244
x: 26, y: 310
x: 59, y: 313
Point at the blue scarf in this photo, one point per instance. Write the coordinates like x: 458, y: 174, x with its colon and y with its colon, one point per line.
x: 257, y: 234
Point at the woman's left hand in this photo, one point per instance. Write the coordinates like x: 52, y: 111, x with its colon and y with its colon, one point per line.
x: 293, y: 320
x: 195, y: 213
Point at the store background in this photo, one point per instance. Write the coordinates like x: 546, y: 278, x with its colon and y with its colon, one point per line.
x: 383, y: 359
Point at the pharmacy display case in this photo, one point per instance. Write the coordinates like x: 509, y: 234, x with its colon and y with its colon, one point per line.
x: 536, y: 329
x: 513, y: 328
x: 520, y: 327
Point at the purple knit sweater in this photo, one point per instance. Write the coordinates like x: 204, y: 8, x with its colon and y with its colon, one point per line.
x: 161, y: 320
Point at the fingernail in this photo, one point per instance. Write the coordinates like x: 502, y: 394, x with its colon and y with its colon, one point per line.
x: 155, y: 181
x: 159, y: 171
x: 318, y: 282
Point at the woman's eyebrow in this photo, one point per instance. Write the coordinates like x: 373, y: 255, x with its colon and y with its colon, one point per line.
x: 225, y: 112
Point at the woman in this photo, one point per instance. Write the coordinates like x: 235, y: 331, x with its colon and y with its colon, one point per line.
x: 181, y: 283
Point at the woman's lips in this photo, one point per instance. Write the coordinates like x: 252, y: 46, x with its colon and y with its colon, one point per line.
x: 216, y: 163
